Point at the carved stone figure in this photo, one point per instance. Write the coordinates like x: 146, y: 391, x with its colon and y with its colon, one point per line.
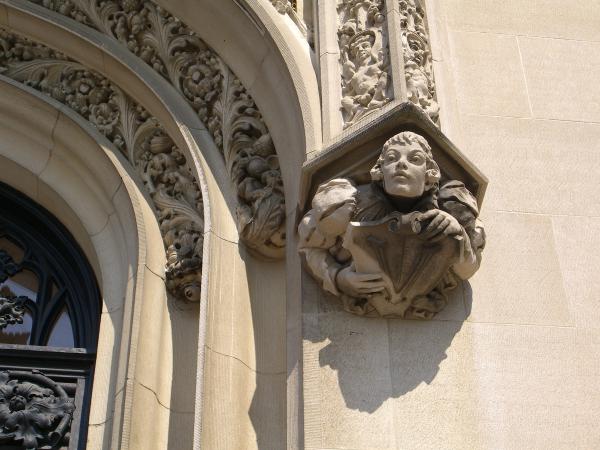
x: 35, y: 412
x: 364, y: 57
x: 395, y: 246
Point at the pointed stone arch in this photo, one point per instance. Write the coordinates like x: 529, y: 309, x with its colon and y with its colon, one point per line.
x: 294, y: 123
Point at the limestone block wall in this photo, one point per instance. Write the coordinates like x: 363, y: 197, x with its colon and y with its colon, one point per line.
x: 513, y: 362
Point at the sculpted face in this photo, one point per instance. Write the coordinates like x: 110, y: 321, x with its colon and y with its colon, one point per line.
x: 361, y: 50
x: 404, y: 170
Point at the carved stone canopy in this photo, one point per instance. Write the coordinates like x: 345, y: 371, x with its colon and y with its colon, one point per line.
x: 354, y: 155
x: 393, y: 222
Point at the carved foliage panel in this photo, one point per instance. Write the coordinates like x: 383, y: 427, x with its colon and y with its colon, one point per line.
x: 222, y: 103
x: 364, y: 57
x: 363, y: 37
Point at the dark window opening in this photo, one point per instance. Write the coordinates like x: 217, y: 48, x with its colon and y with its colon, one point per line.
x: 49, y: 319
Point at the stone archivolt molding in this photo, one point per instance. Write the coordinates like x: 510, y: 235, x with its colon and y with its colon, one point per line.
x: 138, y: 135
x: 221, y: 101
x: 35, y: 412
x: 364, y: 57
x: 418, y: 65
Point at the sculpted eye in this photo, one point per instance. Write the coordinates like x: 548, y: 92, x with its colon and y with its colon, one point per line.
x: 417, y: 158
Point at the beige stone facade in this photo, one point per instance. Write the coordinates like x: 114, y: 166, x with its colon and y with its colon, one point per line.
x: 165, y: 134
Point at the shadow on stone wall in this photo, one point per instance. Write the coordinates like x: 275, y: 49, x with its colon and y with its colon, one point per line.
x: 377, y: 359
x: 185, y: 321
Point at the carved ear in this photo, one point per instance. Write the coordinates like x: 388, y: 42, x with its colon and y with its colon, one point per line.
x: 433, y: 176
x: 376, y: 173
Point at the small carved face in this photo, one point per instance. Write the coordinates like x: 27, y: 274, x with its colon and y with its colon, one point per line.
x: 404, y: 170
x: 361, y: 50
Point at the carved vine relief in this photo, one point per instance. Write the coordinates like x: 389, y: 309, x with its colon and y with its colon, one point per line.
x: 221, y: 101
x: 162, y: 166
x: 418, y: 65
x: 364, y: 57
x: 395, y: 246
x: 35, y: 412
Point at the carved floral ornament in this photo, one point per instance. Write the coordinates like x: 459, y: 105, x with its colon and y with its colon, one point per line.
x: 222, y: 103
x: 35, y: 411
x: 396, y: 244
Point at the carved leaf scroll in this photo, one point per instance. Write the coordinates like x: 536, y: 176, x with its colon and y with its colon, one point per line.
x: 161, y: 165
x: 221, y: 101
x: 35, y: 411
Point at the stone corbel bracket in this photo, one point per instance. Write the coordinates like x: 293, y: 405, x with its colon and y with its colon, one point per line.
x: 353, y: 224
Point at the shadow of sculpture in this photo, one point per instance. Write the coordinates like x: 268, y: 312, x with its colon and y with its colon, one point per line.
x: 374, y: 359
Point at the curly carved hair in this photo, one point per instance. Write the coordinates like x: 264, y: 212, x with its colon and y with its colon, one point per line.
x: 408, y: 138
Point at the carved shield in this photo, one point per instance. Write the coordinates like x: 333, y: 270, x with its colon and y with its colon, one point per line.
x: 411, y: 266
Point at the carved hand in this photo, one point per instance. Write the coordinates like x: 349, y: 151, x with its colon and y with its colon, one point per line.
x: 441, y: 224
x: 357, y: 284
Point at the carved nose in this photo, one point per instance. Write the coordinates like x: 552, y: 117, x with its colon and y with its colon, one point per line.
x: 402, y: 164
